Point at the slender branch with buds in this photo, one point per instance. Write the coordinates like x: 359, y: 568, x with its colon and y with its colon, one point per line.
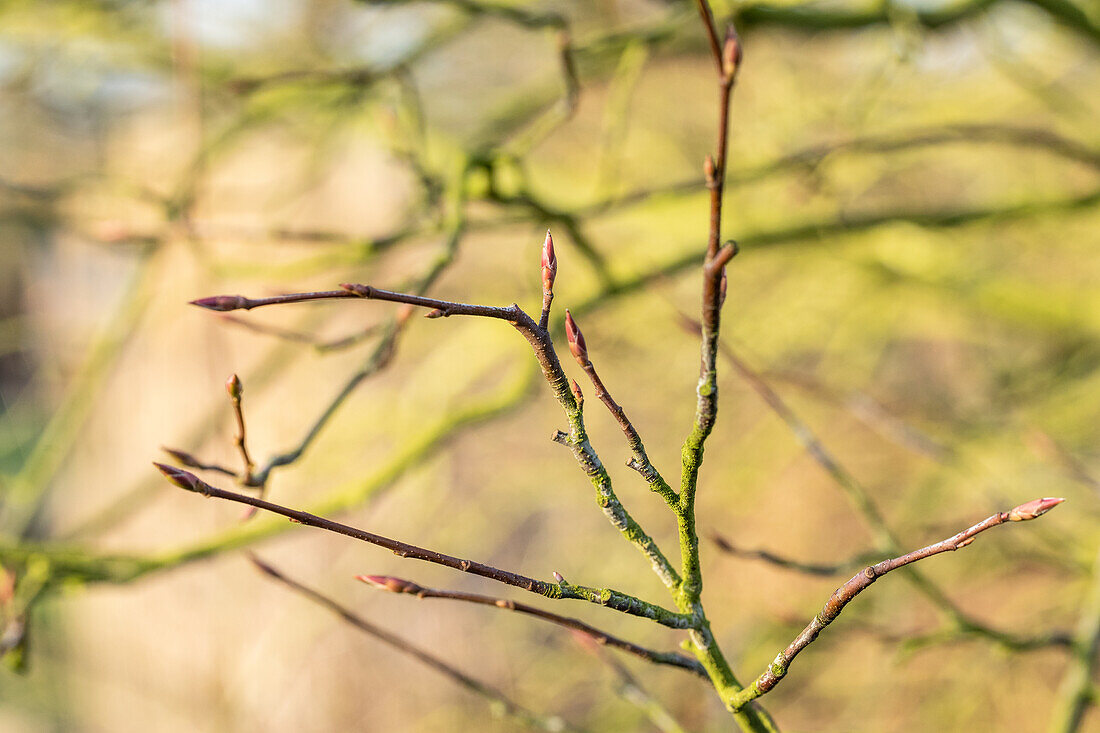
x: 601, y: 596
x: 399, y: 585
x: 843, y: 595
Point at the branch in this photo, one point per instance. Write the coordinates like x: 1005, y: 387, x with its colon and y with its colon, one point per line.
x: 845, y: 593
x: 861, y: 500
x: 543, y: 347
x: 640, y: 461
x: 302, y: 337
x: 601, y: 596
x: 783, y: 562
x: 714, y: 277
x: 398, y: 585
x: 511, y: 709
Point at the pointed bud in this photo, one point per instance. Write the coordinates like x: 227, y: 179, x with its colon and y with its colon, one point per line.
x: 393, y: 585
x: 234, y: 388
x: 434, y: 313
x: 722, y: 284
x: 182, y: 457
x: 577, y: 347
x: 559, y: 577
x: 731, y: 53
x: 549, y: 264
x: 223, y: 302
x: 183, y: 479
x: 577, y: 394
x: 708, y: 170
x: 1033, y: 508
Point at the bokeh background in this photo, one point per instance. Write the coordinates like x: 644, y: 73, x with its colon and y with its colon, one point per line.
x: 916, y: 189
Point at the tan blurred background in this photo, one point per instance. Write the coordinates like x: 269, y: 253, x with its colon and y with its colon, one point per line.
x: 915, y: 187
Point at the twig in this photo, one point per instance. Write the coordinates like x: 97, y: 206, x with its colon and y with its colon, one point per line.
x: 399, y: 585
x: 510, y: 708
x: 186, y: 459
x: 640, y: 461
x: 859, y: 582
x: 234, y: 388
x: 783, y: 562
x: 543, y: 348
x: 601, y: 596
x: 302, y: 337
x: 860, y: 498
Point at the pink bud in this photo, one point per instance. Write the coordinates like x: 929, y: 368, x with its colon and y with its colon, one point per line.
x: 549, y: 263
x: 234, y: 388
x: 183, y: 479
x: 559, y: 577
x: 1033, y: 508
x: 731, y: 53
x: 222, y: 302
x: 576, y: 340
x: 393, y: 585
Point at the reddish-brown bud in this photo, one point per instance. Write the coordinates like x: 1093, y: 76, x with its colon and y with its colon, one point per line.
x: 731, y: 53
x: 577, y: 347
x: 182, y: 457
x: 559, y: 577
x: 708, y: 170
x: 393, y: 585
x: 722, y: 285
x: 1033, y: 508
x: 222, y: 302
x: 577, y: 394
x: 183, y: 479
x: 549, y: 264
x: 234, y: 388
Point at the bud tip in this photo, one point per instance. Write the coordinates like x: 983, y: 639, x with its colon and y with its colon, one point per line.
x: 1034, y: 508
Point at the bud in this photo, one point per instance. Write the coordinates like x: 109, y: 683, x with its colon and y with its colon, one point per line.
x: 434, y: 313
x: 731, y: 53
x: 549, y: 264
x: 393, y: 585
x: 183, y: 479
x: 577, y: 347
x: 234, y: 388
x: 182, y: 457
x: 222, y: 302
x: 722, y: 284
x: 577, y: 394
x: 559, y: 577
x: 708, y: 170
x: 1033, y: 508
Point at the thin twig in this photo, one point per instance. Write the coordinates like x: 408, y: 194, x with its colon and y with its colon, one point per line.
x: 235, y: 390
x: 862, y: 580
x: 601, y: 596
x: 510, y: 708
x: 786, y: 563
x: 640, y: 459
x: 860, y: 498
x: 399, y: 585
x: 302, y: 337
